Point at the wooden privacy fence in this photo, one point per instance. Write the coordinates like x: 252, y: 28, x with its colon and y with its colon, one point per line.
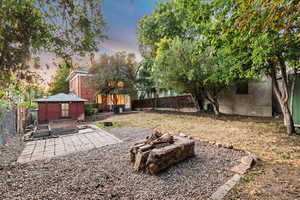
x: 176, y: 102
x: 22, y: 119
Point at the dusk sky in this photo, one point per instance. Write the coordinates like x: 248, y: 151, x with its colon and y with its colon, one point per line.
x: 121, y: 17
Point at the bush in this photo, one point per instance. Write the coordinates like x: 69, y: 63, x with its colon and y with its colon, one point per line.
x: 90, y: 109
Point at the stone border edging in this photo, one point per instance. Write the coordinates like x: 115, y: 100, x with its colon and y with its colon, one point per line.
x: 223, y: 190
x: 246, y: 163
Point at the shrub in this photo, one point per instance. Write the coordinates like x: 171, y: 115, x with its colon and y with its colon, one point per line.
x: 90, y: 109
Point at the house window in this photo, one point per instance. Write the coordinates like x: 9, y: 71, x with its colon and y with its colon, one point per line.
x: 65, y: 110
x: 99, y: 99
x: 127, y: 100
x: 242, y: 88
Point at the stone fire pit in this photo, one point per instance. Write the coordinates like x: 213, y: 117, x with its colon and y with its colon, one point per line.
x: 159, y: 152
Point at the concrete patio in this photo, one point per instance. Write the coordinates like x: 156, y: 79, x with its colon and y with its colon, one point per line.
x: 86, y: 139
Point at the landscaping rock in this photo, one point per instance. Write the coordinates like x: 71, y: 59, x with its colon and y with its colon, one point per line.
x: 240, y: 169
x: 255, y: 157
x: 219, y: 145
x: 247, y: 162
x: 228, y: 146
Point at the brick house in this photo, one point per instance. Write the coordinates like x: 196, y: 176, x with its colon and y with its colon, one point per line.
x: 78, y: 83
x: 79, y: 86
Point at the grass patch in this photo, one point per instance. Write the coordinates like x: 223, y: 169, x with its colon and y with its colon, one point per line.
x: 276, y: 177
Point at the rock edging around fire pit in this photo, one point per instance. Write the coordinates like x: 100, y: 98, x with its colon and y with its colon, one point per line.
x: 246, y: 163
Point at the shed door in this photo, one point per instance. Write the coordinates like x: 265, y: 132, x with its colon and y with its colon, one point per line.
x: 296, y: 102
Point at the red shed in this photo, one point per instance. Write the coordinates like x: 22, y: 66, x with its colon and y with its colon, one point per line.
x: 60, y: 106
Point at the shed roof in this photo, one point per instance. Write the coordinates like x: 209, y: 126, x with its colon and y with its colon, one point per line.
x: 84, y: 69
x: 61, y: 97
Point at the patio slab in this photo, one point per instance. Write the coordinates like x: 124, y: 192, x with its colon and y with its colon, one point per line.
x: 87, y: 139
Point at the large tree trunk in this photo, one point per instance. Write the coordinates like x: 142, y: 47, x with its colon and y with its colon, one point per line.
x: 212, y: 97
x: 283, y: 97
x: 216, y: 106
x: 156, y: 96
x: 198, y: 101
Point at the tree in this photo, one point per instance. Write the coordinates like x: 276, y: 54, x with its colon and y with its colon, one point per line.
x: 63, y: 27
x: 247, y: 39
x: 114, y: 75
x: 167, y: 20
x: 184, y: 66
x: 30, y: 92
x: 144, y: 79
x: 275, y: 39
x: 174, y: 19
x: 22, y: 92
x: 256, y: 38
x: 60, y: 84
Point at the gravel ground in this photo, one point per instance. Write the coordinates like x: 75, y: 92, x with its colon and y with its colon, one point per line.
x: 10, y: 151
x: 106, y: 173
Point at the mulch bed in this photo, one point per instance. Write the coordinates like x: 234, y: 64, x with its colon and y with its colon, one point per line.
x: 106, y: 173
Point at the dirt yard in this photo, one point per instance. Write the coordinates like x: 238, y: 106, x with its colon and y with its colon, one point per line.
x: 277, y: 176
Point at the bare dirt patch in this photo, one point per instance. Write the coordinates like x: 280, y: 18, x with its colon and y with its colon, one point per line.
x: 277, y: 175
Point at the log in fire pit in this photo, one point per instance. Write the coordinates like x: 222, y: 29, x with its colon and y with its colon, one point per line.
x: 160, y: 151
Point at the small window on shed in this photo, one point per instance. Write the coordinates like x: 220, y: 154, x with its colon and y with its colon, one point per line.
x: 242, y: 88
x: 65, y: 110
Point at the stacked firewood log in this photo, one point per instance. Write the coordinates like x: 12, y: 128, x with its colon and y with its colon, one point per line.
x: 159, y: 151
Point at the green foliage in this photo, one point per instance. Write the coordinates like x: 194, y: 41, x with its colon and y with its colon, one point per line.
x: 167, y: 20
x: 238, y: 39
x: 145, y: 82
x: 177, y: 65
x: 60, y: 84
x: 186, y: 67
x: 114, y: 74
x: 29, y: 105
x: 63, y: 27
x: 90, y: 109
x: 16, y: 94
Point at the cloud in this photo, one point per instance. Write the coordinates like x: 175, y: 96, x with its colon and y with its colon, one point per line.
x: 122, y: 17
